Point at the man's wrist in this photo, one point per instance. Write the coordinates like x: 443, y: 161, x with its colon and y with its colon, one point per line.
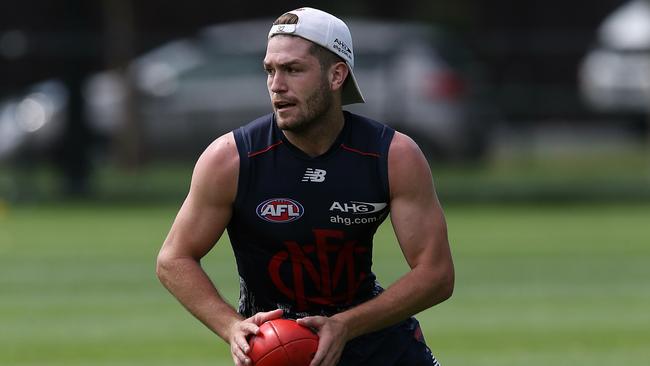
x: 228, y: 325
x: 346, y: 324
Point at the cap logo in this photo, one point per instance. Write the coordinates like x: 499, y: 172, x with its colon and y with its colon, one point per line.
x: 342, y: 47
x: 283, y: 28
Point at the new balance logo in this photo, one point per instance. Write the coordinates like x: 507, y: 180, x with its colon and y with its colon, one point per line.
x: 314, y: 175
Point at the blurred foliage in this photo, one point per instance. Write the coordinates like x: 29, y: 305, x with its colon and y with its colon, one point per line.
x: 621, y: 175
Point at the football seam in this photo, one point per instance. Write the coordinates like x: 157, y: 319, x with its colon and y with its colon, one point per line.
x: 267, y: 354
x: 277, y: 335
x: 298, y: 340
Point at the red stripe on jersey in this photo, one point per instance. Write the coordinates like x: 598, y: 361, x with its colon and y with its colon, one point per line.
x: 268, y: 148
x: 376, y: 155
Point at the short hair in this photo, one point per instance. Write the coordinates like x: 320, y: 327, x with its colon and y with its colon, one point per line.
x: 326, y: 58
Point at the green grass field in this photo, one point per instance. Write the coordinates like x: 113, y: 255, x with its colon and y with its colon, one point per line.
x: 549, y: 285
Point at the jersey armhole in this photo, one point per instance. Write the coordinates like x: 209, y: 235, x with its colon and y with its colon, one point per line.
x: 243, y: 147
x: 386, y: 139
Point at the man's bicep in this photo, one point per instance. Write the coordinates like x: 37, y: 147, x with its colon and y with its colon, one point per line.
x: 421, y: 231
x: 207, y: 209
x: 197, y: 228
x: 416, y: 215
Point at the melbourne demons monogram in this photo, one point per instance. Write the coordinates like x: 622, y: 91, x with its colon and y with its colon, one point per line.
x: 314, y: 278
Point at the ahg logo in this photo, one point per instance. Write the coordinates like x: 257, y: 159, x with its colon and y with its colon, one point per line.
x: 280, y: 210
x: 342, y: 47
x: 356, y: 207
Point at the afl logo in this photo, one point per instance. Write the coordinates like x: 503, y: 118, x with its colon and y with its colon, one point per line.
x: 280, y: 210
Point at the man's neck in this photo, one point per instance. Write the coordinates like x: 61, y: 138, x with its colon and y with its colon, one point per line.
x: 318, y: 139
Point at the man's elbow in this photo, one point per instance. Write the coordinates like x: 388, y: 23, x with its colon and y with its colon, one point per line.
x: 447, y: 286
x: 444, y: 285
x: 163, y: 267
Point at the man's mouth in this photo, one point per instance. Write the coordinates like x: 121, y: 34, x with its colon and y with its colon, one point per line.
x: 282, y: 105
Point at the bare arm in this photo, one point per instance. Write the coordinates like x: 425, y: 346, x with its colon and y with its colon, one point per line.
x: 421, y: 231
x: 199, y: 224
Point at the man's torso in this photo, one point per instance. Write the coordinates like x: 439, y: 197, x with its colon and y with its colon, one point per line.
x: 302, y: 227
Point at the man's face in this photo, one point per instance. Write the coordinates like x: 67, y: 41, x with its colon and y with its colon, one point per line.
x: 298, y: 88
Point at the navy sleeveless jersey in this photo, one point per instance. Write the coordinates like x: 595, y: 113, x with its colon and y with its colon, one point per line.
x: 302, y: 227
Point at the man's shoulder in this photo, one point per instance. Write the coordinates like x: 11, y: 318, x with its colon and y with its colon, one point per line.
x: 365, y: 122
x: 368, y: 133
x: 221, y: 150
x: 254, y: 134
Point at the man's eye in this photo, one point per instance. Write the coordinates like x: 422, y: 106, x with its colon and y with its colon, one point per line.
x: 269, y: 71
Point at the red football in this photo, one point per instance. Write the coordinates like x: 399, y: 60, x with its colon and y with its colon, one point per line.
x: 283, y: 342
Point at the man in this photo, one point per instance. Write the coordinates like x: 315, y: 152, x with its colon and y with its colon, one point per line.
x: 301, y: 192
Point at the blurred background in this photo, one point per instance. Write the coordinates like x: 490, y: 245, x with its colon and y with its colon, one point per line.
x: 534, y: 115
x: 96, y: 90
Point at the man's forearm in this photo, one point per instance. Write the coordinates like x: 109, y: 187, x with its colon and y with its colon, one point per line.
x: 417, y: 290
x: 189, y: 283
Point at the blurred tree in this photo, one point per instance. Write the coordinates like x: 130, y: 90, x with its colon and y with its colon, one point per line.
x: 120, y: 48
x: 73, y: 153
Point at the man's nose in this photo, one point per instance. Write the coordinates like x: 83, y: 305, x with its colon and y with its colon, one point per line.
x: 277, y: 83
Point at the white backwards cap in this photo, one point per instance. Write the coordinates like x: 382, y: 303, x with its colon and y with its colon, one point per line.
x: 330, y: 32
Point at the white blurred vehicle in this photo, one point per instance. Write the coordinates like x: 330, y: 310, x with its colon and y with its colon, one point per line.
x: 614, y: 76
x: 32, y: 123
x: 409, y: 74
x: 187, y: 92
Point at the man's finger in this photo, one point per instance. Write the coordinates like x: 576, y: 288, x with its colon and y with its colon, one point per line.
x: 260, y: 318
x: 332, y: 358
x: 250, y: 328
x: 312, y: 321
x: 239, y: 357
x: 319, y: 357
x: 242, y: 344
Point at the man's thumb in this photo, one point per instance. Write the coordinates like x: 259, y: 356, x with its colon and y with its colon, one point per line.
x: 312, y: 321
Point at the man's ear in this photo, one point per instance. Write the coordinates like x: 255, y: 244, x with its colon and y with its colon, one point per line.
x: 338, y: 74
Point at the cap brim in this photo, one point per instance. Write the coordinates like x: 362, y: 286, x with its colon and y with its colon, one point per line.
x: 351, y: 93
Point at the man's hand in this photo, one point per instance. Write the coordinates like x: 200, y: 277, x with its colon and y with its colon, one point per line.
x: 333, y: 335
x: 242, y: 329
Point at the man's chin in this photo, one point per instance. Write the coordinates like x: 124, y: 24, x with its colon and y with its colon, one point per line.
x: 291, y: 125
x: 287, y: 123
